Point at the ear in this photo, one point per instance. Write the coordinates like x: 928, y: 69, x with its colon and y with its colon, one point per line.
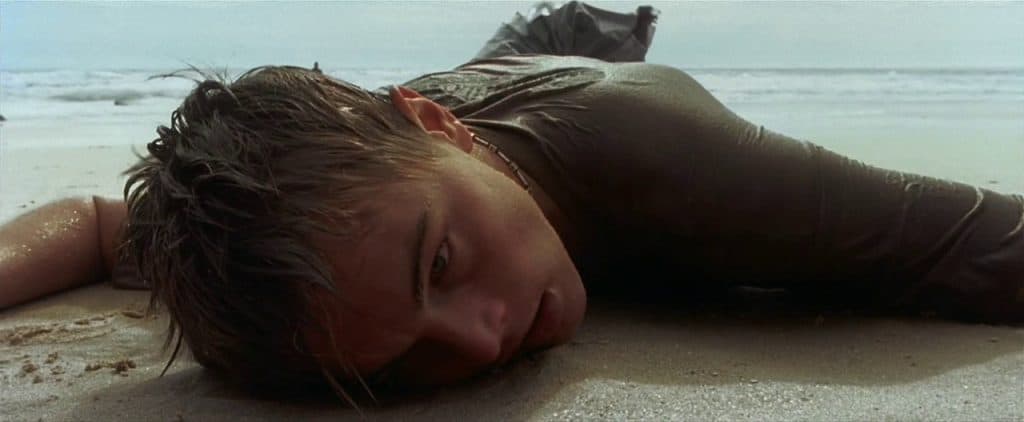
x: 433, y: 118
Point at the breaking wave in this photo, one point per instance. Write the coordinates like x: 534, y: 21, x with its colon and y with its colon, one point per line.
x: 115, y: 95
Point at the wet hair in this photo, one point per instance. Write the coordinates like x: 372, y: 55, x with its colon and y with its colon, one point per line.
x: 222, y: 209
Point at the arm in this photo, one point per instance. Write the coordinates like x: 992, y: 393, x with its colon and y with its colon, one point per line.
x: 745, y: 205
x: 58, y: 246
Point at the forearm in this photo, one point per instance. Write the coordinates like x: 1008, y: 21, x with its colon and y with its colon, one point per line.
x: 822, y: 222
x: 928, y: 243
x: 790, y: 213
x: 56, y: 247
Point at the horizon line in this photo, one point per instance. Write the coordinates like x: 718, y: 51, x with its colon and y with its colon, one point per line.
x: 705, y: 68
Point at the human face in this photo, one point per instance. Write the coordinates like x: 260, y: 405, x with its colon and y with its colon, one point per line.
x: 458, y: 272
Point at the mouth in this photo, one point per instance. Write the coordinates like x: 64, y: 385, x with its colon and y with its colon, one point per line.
x: 545, y: 324
x: 543, y: 329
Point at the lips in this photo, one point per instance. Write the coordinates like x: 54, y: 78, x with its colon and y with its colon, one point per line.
x: 545, y: 323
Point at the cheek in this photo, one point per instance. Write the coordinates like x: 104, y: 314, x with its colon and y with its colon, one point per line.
x: 431, y: 364
x: 518, y: 227
x: 529, y: 251
x: 510, y: 238
x: 366, y: 341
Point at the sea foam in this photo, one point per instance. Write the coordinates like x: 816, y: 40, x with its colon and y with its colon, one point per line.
x: 51, y: 98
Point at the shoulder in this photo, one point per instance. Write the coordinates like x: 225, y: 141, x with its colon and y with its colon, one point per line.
x: 481, y: 83
x: 647, y: 129
x: 655, y: 89
x: 532, y: 62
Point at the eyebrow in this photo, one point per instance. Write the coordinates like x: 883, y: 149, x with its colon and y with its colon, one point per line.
x: 417, y: 256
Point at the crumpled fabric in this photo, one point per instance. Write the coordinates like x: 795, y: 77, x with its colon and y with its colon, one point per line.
x: 575, y: 29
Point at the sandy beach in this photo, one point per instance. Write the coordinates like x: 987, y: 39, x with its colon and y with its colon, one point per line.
x: 93, y: 354
x: 935, y: 88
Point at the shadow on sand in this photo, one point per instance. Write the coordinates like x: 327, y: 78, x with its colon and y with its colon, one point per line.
x: 743, y: 341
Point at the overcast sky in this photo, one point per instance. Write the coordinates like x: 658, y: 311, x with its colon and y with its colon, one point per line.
x: 444, y: 34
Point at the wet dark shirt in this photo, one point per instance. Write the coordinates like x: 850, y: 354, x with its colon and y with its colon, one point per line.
x: 667, y: 187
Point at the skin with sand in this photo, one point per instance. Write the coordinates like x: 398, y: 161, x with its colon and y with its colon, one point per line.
x: 456, y: 320
x: 495, y: 278
x: 518, y: 288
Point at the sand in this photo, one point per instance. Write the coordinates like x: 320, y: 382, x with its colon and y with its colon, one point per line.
x: 92, y: 354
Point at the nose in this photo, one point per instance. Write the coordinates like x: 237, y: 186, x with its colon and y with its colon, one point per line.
x: 473, y: 328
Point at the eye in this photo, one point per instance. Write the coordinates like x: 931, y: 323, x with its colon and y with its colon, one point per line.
x: 441, y: 260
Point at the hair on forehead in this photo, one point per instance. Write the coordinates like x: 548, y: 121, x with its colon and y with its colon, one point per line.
x: 225, y: 203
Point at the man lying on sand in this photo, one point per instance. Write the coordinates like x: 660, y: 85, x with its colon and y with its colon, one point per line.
x: 298, y: 228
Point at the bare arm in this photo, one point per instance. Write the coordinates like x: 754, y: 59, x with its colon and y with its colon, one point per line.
x: 58, y: 246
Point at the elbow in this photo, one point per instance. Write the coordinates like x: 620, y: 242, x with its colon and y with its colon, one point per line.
x: 110, y: 216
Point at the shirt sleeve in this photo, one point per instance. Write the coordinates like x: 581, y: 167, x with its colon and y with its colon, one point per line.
x: 679, y: 175
x: 575, y: 29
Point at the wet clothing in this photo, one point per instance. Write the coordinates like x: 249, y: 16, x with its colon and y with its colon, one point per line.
x: 576, y: 29
x: 665, y: 187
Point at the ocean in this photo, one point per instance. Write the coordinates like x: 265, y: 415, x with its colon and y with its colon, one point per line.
x: 918, y: 119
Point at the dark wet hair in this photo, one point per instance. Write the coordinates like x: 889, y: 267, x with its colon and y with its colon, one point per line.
x: 222, y: 210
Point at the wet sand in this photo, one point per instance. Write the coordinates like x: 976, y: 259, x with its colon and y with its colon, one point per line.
x: 92, y: 354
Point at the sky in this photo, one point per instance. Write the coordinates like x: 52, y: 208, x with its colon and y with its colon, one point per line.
x: 164, y: 35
